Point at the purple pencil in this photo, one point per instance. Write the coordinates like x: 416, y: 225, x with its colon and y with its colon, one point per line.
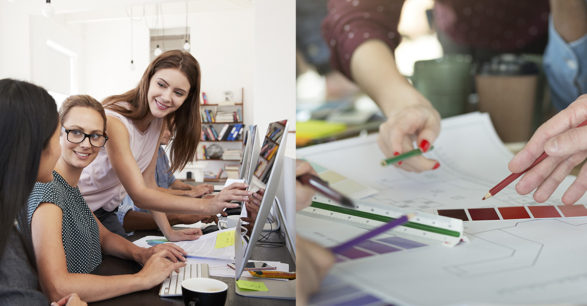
x: 372, y: 233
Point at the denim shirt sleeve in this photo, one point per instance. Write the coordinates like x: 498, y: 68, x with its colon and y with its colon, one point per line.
x: 565, y: 65
x: 162, y: 176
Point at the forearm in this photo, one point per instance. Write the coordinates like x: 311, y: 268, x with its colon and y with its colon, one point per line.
x: 162, y: 222
x: 153, y: 199
x: 174, y: 191
x: 179, y: 185
x: 138, y: 221
x: 92, y: 287
x: 115, y: 245
x: 569, y: 18
x: 374, y: 70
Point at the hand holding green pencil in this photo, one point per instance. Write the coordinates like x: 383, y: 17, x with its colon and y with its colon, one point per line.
x: 403, y: 156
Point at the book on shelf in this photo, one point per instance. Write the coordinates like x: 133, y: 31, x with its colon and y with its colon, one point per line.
x: 261, y: 165
x: 208, y: 116
x: 272, y: 152
x: 274, y: 132
x: 214, y: 133
x: 234, y: 133
x: 225, y: 117
x: 239, y: 116
x: 227, y: 132
x: 223, y: 131
x: 232, y: 154
x: 231, y: 171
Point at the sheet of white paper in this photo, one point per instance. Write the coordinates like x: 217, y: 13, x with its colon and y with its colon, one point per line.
x: 505, y: 262
x: 198, y: 224
x: 231, y: 181
x: 472, y: 160
x: 203, y: 247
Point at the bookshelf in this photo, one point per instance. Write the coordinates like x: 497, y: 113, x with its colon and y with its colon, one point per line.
x: 221, y: 143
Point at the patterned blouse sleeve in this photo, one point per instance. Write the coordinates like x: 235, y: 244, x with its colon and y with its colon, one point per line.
x: 350, y: 23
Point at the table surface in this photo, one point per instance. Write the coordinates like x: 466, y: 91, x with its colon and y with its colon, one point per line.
x: 112, y: 266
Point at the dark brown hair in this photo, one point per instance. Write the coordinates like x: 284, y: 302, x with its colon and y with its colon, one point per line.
x: 184, y: 123
x: 82, y: 101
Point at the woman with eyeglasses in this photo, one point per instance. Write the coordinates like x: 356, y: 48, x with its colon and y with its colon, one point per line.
x: 68, y: 240
x: 168, y: 93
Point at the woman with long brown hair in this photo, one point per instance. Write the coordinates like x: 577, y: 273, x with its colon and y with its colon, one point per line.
x: 168, y: 93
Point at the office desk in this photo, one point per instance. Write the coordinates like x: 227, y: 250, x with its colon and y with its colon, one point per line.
x: 112, y: 266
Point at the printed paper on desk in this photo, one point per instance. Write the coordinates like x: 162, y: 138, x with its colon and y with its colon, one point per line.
x: 204, y: 247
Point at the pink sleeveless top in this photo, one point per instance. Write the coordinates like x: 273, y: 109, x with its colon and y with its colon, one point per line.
x: 99, y: 183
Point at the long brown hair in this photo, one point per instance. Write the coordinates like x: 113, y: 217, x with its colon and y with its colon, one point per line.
x: 184, y: 123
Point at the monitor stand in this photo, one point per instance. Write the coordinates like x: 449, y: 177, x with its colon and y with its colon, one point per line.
x: 278, y: 289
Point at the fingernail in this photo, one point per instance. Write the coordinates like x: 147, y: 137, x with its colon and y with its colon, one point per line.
x: 552, y: 146
x: 400, y: 163
x: 436, y: 166
x: 424, y: 145
x: 395, y: 153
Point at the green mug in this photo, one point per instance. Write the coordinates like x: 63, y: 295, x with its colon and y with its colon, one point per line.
x: 446, y: 82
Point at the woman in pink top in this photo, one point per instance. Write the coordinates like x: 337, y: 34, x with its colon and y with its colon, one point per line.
x: 168, y: 93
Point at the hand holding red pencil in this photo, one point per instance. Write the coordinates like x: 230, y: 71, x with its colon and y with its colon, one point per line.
x: 564, y: 140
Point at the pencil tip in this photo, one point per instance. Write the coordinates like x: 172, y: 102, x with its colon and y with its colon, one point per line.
x: 487, y: 196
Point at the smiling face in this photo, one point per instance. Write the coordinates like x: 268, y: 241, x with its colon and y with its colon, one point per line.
x: 168, y: 89
x: 88, y: 121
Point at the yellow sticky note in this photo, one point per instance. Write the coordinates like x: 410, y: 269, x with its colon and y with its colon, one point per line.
x: 224, y: 239
x: 250, y: 285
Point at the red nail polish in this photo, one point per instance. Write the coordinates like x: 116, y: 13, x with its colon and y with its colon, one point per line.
x: 424, y: 145
x: 399, y: 163
x: 436, y: 166
x: 395, y: 153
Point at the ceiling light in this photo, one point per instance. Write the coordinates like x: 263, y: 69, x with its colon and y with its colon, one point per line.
x: 157, y: 51
x: 48, y: 9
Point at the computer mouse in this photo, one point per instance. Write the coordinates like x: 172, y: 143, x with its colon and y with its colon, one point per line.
x: 209, y: 229
x: 234, y: 211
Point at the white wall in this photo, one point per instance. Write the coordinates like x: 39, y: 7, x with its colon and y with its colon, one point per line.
x: 14, y: 41
x: 221, y: 42
x: 274, y: 71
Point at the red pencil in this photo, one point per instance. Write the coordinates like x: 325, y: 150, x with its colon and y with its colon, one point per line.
x: 512, y: 177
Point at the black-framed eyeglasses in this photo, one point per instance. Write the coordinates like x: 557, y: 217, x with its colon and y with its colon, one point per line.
x: 78, y: 136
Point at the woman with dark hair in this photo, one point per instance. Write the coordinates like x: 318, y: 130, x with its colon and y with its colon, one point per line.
x: 168, y: 93
x: 29, y: 148
x: 68, y: 239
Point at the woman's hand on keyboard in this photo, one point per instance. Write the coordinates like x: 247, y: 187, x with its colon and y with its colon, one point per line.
x: 184, y: 234
x: 175, y: 252
x: 158, y: 268
x: 233, y: 192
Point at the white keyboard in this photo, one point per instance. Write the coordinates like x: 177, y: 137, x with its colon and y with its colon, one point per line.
x: 172, y: 285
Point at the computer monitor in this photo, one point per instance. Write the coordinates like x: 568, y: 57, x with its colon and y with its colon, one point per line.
x: 266, y: 175
x: 250, y: 150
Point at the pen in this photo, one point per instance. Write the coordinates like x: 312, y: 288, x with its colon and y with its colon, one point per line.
x: 395, y: 159
x: 372, y: 233
x: 512, y: 177
x: 322, y: 186
x: 274, y: 274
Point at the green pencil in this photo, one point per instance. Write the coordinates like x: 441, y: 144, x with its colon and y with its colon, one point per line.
x: 395, y: 159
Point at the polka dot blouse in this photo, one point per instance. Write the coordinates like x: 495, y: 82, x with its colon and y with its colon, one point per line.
x: 499, y: 25
x: 79, y: 233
